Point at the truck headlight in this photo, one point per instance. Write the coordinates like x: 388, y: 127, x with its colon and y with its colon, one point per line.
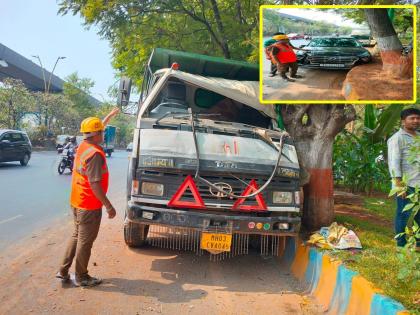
x: 282, y: 197
x: 152, y: 189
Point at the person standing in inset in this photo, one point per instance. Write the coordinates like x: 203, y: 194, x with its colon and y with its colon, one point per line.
x: 284, y: 57
x: 399, y: 167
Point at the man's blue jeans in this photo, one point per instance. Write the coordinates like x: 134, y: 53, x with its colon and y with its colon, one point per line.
x: 401, y: 218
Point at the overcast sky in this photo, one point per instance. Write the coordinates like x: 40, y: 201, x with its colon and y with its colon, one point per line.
x: 321, y: 15
x: 32, y: 27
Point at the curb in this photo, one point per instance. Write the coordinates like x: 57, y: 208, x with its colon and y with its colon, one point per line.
x: 338, y: 289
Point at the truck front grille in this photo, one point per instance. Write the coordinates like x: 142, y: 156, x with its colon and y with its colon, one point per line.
x: 172, y: 182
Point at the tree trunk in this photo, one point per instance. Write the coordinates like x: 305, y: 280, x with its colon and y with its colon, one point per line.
x: 389, y: 44
x: 314, y: 138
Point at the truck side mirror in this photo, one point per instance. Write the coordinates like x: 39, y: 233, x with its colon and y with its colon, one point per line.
x: 124, y: 92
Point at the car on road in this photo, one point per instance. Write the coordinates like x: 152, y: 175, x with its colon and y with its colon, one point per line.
x: 295, y: 36
x: 130, y: 147
x: 333, y: 52
x: 15, y: 146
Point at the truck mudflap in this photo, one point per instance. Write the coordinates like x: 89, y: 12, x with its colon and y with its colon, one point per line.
x: 194, y: 231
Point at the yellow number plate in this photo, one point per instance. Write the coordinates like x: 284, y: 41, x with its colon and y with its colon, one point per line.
x: 216, y: 241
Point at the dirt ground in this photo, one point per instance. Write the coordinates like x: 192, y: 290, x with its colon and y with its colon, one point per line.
x: 381, y: 85
x: 316, y: 85
x: 147, y: 281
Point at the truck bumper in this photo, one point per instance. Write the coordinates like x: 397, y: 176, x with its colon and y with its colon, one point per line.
x: 275, y: 225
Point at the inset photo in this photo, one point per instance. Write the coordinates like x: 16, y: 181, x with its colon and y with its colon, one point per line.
x: 337, y: 54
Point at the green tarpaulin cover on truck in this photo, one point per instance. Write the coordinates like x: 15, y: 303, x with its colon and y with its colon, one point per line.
x: 206, y: 66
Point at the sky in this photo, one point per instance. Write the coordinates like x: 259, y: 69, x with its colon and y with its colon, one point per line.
x: 32, y: 27
x: 321, y: 15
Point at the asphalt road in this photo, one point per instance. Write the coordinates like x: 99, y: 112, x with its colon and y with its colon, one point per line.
x: 36, y: 196
x: 317, y: 84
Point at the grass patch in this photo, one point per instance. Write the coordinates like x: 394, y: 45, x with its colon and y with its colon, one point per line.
x: 384, y: 207
x: 378, y: 261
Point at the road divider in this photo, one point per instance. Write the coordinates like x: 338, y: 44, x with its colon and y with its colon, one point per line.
x: 338, y: 289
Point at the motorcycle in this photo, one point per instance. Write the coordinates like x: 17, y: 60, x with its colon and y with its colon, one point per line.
x: 67, y: 159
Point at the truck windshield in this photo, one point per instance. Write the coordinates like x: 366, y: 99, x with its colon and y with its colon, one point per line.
x: 177, y: 97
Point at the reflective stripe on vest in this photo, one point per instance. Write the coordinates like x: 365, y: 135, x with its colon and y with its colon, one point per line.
x: 82, y: 196
x: 285, y: 54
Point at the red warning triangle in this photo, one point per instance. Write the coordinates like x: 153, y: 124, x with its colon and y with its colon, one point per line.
x: 176, y: 198
x: 260, y: 206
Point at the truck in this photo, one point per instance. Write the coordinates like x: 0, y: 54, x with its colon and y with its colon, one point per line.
x: 210, y: 170
x: 109, y: 140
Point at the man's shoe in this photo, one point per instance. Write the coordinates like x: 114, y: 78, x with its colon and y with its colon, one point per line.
x: 87, y: 281
x: 288, y: 79
x: 63, y: 277
x: 297, y: 76
x: 272, y: 75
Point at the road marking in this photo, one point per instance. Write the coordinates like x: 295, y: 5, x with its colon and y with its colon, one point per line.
x: 11, y: 219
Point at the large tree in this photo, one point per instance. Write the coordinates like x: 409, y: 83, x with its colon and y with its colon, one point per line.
x: 389, y: 44
x: 313, y: 128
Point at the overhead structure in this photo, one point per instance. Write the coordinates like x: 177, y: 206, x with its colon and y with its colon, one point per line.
x: 16, y: 66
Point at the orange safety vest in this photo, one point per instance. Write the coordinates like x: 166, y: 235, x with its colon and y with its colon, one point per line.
x: 82, y: 196
x: 285, y: 54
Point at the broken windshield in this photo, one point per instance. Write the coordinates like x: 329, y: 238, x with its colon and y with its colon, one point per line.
x: 177, y: 97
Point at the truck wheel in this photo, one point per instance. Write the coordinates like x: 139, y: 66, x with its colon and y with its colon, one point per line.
x: 135, y: 234
x: 109, y: 153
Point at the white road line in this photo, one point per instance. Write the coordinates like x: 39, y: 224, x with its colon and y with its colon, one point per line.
x: 11, y: 219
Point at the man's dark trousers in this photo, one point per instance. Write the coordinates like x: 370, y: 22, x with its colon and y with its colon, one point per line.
x: 401, y: 218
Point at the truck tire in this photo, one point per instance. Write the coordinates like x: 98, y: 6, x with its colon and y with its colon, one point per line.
x: 135, y: 234
x: 109, y: 153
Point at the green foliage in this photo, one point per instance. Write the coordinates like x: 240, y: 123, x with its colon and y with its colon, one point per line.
x: 359, y: 157
x: 273, y: 22
x: 15, y: 102
x: 226, y: 28
x: 358, y: 164
x: 386, y: 121
x: 77, y: 90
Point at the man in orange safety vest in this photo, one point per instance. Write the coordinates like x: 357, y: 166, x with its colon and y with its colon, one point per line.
x: 88, y: 194
x: 284, y: 57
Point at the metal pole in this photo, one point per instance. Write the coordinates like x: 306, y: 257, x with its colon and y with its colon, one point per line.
x: 51, y: 73
x: 43, y: 73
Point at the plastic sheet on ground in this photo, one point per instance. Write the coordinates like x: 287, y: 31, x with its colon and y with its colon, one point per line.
x: 335, y: 236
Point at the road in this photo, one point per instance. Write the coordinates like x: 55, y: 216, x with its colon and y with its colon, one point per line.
x: 316, y: 85
x: 37, y: 195
x: 136, y: 281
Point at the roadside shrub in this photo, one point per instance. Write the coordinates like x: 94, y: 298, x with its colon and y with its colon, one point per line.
x: 359, y: 164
